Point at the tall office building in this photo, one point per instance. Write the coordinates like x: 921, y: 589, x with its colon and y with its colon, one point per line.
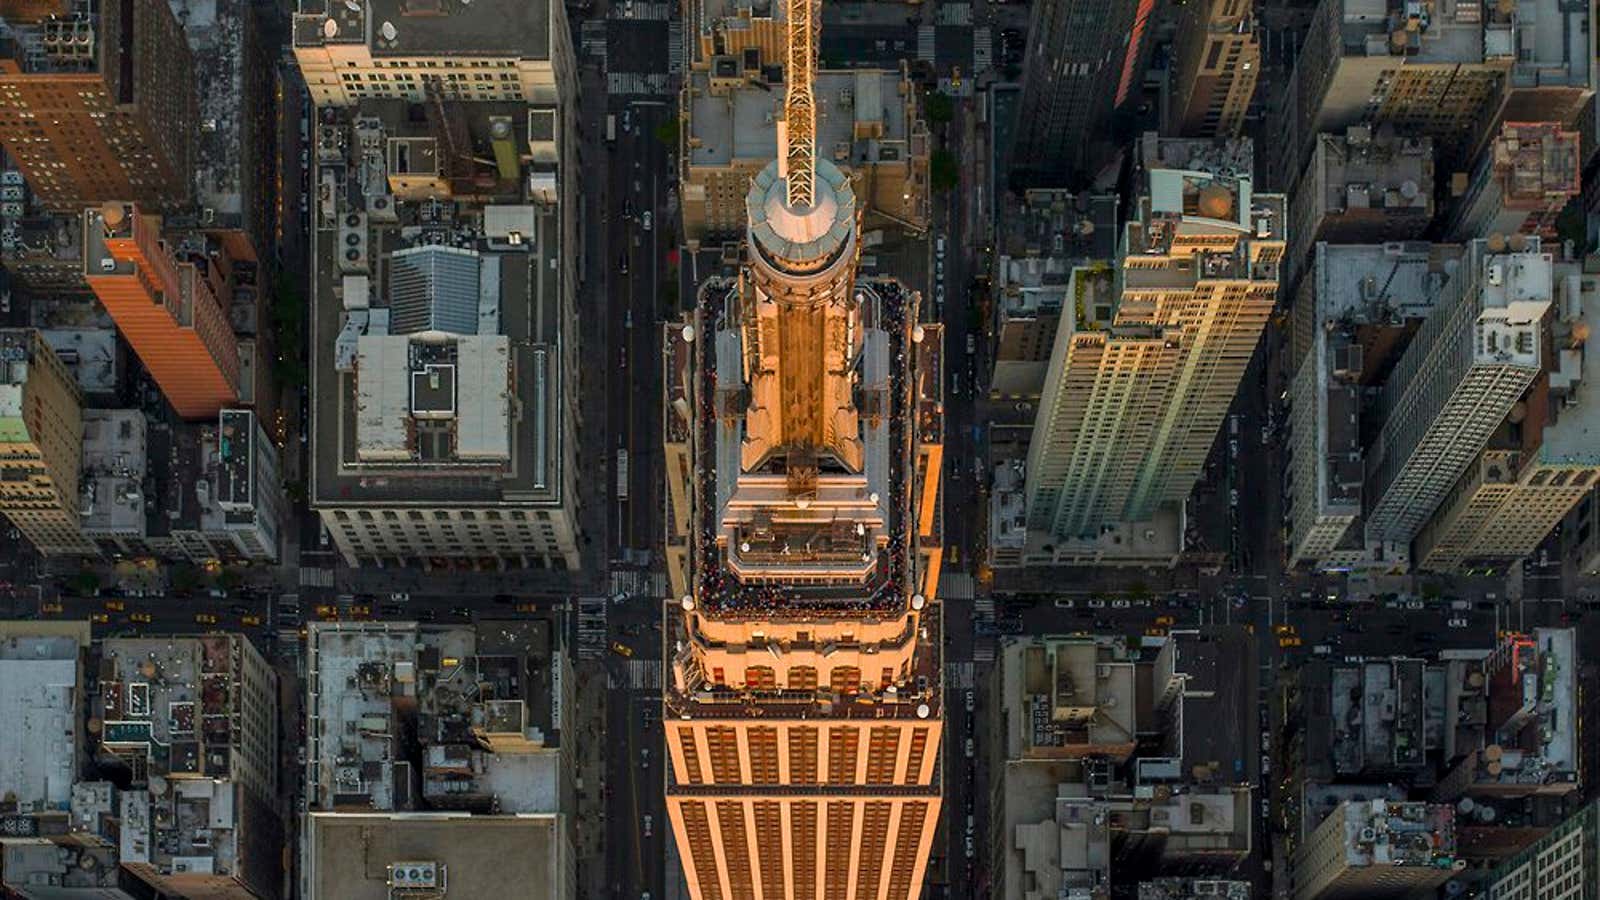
x: 41, y: 435
x: 1440, y: 73
x: 1216, y: 61
x: 1356, y: 308
x: 1540, y: 462
x: 803, y: 715
x: 1470, y: 363
x: 496, y: 50
x: 1143, y: 373
x: 97, y: 101
x: 165, y: 305
x: 1085, y: 58
x: 1374, y: 849
x: 1564, y: 863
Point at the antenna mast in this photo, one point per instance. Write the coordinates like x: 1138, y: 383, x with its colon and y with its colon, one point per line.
x: 797, y: 138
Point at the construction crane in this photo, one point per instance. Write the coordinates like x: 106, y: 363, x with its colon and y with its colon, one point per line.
x: 797, y: 130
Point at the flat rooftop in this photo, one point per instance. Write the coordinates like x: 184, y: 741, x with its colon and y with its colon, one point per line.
x: 169, y: 700
x: 1218, y: 687
x: 1378, y: 833
x: 216, y: 30
x: 472, y: 341
x: 1537, y: 162
x: 521, y: 857
x: 1193, y: 889
x: 740, y: 125
x: 1383, y: 283
x: 1068, y: 697
x: 1572, y: 437
x: 38, y: 700
x: 499, y: 28
x: 115, y: 460
x: 1373, y: 28
x: 409, y: 717
x: 1363, y: 175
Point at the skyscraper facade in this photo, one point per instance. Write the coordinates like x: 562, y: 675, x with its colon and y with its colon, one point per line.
x: 1085, y: 58
x: 803, y: 717
x: 1216, y: 61
x: 1468, y: 366
x: 97, y: 101
x: 1149, y: 362
x: 41, y: 436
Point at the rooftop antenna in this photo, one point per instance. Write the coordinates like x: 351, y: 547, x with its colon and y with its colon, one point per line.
x: 797, y: 131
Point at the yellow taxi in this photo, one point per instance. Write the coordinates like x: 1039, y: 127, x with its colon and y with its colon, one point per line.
x: 324, y: 611
x: 621, y: 649
x: 1155, y: 632
x: 360, y: 612
x: 115, y: 606
x: 527, y: 607
x: 205, y: 619
x: 250, y: 621
x: 141, y: 618
x: 1289, y: 641
x: 1283, y: 629
x: 50, y: 607
x: 1164, y: 621
x: 100, y: 619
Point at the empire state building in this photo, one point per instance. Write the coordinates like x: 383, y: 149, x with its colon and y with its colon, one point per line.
x: 802, y: 706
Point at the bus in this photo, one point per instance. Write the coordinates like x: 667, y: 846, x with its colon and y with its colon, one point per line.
x: 611, y: 128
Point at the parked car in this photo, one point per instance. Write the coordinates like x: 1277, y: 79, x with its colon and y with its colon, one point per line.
x: 1457, y: 623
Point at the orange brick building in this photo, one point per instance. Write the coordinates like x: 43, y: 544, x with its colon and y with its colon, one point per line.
x: 98, y: 105
x: 167, y: 308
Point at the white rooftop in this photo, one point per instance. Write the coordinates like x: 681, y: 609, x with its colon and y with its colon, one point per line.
x: 38, y: 684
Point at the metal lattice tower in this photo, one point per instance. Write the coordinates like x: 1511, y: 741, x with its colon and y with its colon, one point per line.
x: 797, y: 134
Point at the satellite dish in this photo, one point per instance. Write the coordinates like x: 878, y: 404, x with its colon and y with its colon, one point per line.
x: 330, y: 29
x: 388, y: 31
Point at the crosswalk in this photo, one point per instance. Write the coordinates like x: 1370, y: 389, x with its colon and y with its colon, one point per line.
x: 983, y: 607
x: 925, y: 43
x: 313, y: 577
x: 955, y: 586
x: 982, y: 50
x: 286, y: 611
x: 592, y: 40
x: 644, y: 674
x: 634, y: 583
x: 955, y: 14
x: 675, y: 47
x: 983, y: 649
x: 592, y: 642
x: 961, y: 676
x: 621, y: 83
x: 640, y: 11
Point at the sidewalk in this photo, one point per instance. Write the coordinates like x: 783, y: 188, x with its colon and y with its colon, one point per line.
x: 589, y: 829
